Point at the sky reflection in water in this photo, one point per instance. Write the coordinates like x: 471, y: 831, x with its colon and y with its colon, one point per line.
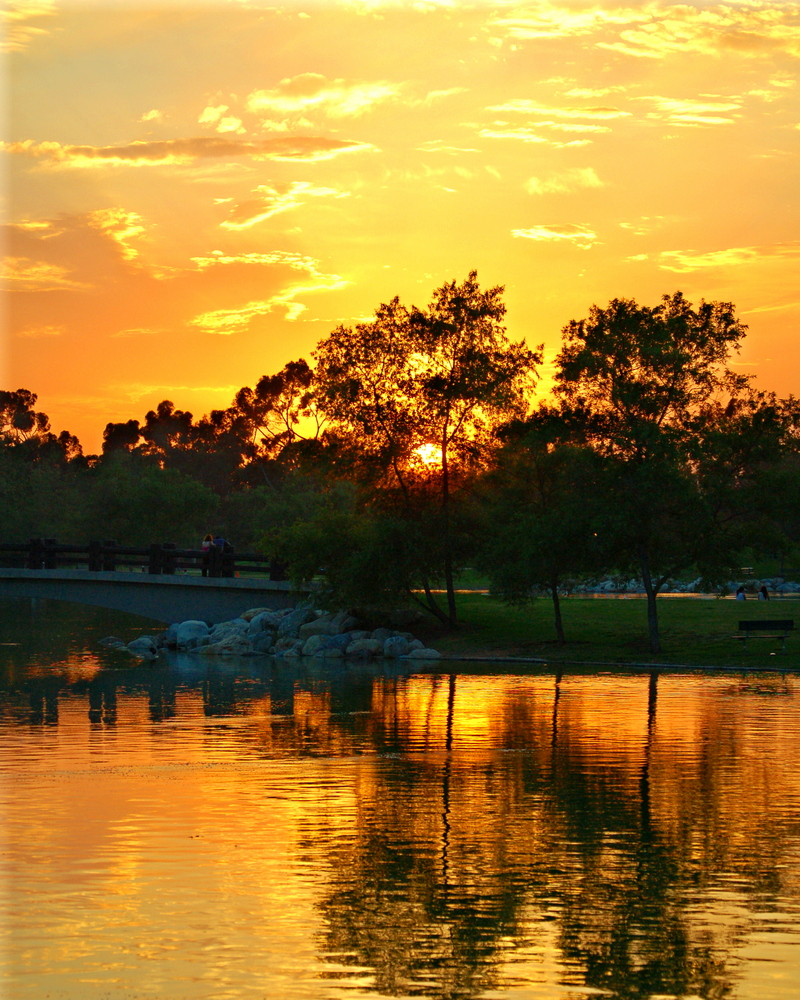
x: 258, y: 829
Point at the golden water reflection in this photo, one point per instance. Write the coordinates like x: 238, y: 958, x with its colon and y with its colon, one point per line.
x: 260, y: 829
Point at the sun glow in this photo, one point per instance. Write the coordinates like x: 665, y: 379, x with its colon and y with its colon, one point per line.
x: 429, y: 454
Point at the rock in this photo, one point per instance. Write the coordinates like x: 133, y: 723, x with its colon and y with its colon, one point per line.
x: 415, y: 644
x: 251, y: 613
x: 112, y: 642
x: 231, y: 645
x: 424, y: 654
x: 341, y: 641
x: 321, y: 626
x: 331, y: 653
x: 382, y: 633
x: 170, y: 637
x: 364, y: 648
x: 344, y: 622
x: 292, y: 622
x: 263, y: 642
x: 284, y: 642
x: 236, y: 627
x: 360, y: 633
x: 265, y: 620
x: 288, y: 646
x: 313, y: 643
x: 144, y: 646
x: 189, y: 630
x: 395, y: 646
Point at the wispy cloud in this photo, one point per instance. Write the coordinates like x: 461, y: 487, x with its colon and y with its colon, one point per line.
x: 42, y: 331
x: 310, y: 92
x: 120, y: 226
x: 22, y: 22
x: 694, y: 111
x: 26, y: 275
x: 654, y: 31
x: 568, y: 180
x: 683, y: 261
x: 274, y: 200
x: 582, y: 236
x: 525, y: 107
x: 181, y: 152
x: 225, y: 322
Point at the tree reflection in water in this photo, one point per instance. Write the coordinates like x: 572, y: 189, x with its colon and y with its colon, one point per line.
x: 507, y: 830
x: 461, y: 859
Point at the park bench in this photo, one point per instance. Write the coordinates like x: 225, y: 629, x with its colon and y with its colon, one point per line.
x: 778, y: 629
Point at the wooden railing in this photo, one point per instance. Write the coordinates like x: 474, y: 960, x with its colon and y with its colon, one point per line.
x: 156, y: 559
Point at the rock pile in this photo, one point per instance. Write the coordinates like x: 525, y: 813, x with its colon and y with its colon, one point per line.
x: 301, y: 631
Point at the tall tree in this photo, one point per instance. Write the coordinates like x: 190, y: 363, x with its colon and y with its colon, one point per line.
x: 644, y: 380
x: 420, y: 391
x: 539, y: 511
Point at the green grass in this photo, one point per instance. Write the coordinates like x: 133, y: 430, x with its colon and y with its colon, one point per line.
x: 694, y: 631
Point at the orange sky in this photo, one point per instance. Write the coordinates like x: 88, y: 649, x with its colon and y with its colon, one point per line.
x: 199, y: 192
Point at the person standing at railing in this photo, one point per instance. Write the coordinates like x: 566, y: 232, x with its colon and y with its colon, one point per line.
x: 206, y: 545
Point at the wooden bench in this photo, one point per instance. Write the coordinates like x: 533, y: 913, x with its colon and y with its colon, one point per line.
x: 779, y: 629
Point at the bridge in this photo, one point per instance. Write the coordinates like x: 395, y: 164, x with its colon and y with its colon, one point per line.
x: 160, y: 582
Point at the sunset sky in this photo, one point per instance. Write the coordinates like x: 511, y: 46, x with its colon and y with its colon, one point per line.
x: 199, y: 192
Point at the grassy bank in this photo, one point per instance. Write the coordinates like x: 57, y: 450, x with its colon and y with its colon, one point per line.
x: 693, y: 631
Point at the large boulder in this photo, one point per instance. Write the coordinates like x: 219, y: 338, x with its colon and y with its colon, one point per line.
x: 189, y: 630
x: 396, y: 645
x: 424, y: 654
x: 112, y: 642
x: 266, y: 620
x: 263, y: 642
x: 382, y: 633
x: 251, y: 613
x: 320, y: 626
x: 313, y: 644
x: 231, y: 645
x: 144, y: 647
x: 364, y: 648
x: 291, y: 623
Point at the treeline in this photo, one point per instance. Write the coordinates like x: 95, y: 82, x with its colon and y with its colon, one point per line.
x: 412, y: 449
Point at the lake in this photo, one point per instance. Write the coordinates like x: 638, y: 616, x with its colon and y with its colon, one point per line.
x: 258, y: 828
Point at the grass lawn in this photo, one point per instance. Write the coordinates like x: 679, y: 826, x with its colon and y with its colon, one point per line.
x: 694, y: 631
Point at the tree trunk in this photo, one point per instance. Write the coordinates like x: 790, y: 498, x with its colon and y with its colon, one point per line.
x: 652, y: 610
x: 431, y: 605
x: 448, y: 555
x: 557, y: 611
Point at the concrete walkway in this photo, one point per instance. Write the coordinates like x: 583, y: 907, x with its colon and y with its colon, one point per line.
x: 164, y: 598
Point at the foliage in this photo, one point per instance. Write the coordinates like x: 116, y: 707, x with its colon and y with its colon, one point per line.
x: 645, y: 386
x: 440, y: 379
x: 136, y: 503
x: 539, y: 512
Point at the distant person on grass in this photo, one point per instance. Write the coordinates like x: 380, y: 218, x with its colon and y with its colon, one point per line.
x: 763, y: 594
x: 740, y: 594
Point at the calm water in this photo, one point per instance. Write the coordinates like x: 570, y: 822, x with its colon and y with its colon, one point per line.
x: 255, y: 829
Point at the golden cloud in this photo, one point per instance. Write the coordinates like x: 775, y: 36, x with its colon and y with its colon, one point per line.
x: 569, y: 180
x: 225, y: 322
x: 26, y: 275
x: 170, y: 152
x: 314, y: 92
x: 274, y: 200
x: 528, y: 135
x: 526, y: 107
x: 16, y: 17
x: 296, y: 261
x: 580, y: 235
x: 691, y: 111
x: 652, y: 30
x: 120, y: 226
x: 683, y: 261
x: 42, y: 331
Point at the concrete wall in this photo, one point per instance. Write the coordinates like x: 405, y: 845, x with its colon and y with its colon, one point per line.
x: 164, y: 598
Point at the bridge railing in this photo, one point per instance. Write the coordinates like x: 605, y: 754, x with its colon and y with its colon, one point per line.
x: 159, y: 558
